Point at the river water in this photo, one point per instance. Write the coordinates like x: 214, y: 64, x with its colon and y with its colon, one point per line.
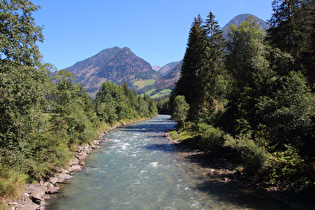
x: 139, y: 169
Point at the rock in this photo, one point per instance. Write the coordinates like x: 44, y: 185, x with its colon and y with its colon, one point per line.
x: 36, y: 198
x: 34, y: 189
x: 28, y: 206
x: 74, y: 161
x: 82, y: 163
x: 53, y: 180
x: 74, y: 168
x: 81, y: 156
x: 80, y: 148
x: 63, y: 177
x: 52, y: 189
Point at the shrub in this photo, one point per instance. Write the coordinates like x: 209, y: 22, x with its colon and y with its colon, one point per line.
x: 254, y: 157
x: 211, y: 137
x: 289, y: 169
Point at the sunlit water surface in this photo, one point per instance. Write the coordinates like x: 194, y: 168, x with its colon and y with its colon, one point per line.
x: 138, y: 169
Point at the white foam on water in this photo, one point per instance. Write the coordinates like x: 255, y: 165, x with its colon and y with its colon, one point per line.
x: 154, y: 164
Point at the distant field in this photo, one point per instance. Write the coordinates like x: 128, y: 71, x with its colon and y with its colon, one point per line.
x: 150, y: 91
x: 164, y: 92
x: 142, y: 83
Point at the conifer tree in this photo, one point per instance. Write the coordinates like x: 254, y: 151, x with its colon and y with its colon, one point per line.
x: 189, y: 84
x: 292, y: 31
x: 213, y: 79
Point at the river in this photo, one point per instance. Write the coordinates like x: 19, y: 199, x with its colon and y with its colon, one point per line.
x: 138, y: 169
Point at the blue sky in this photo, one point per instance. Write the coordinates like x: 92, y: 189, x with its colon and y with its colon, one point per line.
x: 155, y: 30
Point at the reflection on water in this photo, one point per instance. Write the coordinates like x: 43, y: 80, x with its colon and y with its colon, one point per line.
x: 138, y: 169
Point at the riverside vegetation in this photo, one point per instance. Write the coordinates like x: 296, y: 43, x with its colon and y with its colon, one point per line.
x: 251, y: 98
x: 44, y: 115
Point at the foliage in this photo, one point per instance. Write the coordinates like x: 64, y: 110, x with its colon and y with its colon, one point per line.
x: 292, y: 31
x: 210, y: 137
x: 11, y: 182
x: 256, y: 101
x: 254, y: 157
x: 201, y: 77
x: 114, y: 103
x: 289, y: 169
x: 163, y: 105
x: 180, y: 110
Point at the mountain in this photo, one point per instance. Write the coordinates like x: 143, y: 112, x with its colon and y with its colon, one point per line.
x: 116, y: 64
x: 156, y: 68
x: 168, y: 67
x: 164, y: 85
x: 121, y: 65
x: 240, y: 18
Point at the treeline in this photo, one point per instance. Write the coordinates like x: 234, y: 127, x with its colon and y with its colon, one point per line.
x: 43, y: 117
x: 251, y: 97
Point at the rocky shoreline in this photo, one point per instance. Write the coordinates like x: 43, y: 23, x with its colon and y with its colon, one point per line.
x: 35, y: 195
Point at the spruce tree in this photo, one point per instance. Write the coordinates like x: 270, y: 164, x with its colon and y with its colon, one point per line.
x: 189, y: 84
x: 214, y: 77
x: 292, y: 31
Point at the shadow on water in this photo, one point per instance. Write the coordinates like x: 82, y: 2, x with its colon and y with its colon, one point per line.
x: 231, y: 186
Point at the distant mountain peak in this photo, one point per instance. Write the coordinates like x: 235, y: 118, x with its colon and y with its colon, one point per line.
x: 116, y: 64
x: 156, y: 67
x: 240, y: 18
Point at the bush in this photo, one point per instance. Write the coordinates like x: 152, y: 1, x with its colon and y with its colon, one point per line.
x: 289, y: 169
x: 255, y: 158
x: 211, y: 136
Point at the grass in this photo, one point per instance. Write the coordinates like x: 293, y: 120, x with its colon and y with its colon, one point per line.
x: 142, y: 83
x: 150, y: 91
x: 181, y: 135
x: 162, y: 93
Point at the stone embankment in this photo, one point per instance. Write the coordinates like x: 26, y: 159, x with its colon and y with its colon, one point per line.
x: 36, y: 194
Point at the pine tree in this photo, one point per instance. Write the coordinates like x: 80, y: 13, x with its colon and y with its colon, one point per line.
x: 189, y: 84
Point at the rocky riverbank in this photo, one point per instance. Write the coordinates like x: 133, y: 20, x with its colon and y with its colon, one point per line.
x: 35, y: 196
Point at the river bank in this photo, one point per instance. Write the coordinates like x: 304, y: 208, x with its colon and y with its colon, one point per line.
x: 250, y: 191
x: 36, y: 194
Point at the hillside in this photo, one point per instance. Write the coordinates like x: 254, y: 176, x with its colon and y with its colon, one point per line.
x: 168, y: 67
x: 165, y: 84
x: 116, y: 64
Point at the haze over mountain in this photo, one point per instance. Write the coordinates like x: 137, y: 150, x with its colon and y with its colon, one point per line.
x: 121, y: 65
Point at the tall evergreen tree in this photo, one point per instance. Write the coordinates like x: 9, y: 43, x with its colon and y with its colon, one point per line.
x: 189, y: 84
x: 292, y: 31
x: 213, y: 76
